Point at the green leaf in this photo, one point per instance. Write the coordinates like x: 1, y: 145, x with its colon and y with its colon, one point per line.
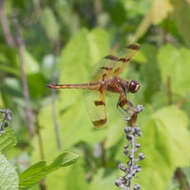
x: 181, y: 13
x: 118, y: 7
x: 99, y: 44
x: 77, y: 174
x: 33, y: 175
x: 38, y: 171
x: 7, y: 139
x: 176, y: 123
x: 72, y: 116
x: 49, y: 23
x: 63, y: 160
x: 104, y: 179
x: 30, y: 64
x: 9, y: 177
x: 10, y: 70
x: 174, y: 63
x: 166, y: 146
x: 36, y: 91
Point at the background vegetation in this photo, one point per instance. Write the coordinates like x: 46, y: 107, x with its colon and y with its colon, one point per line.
x: 61, y: 41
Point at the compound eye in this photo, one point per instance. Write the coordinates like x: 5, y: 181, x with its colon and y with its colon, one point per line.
x: 134, y: 86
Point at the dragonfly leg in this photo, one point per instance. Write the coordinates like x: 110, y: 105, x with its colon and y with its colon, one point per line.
x: 125, y: 104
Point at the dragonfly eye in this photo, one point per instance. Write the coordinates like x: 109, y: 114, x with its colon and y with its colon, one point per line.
x: 134, y: 86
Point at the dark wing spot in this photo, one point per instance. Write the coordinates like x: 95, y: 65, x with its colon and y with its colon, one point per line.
x: 100, y: 122
x: 124, y: 59
x: 99, y: 103
x: 106, y: 68
x: 134, y: 46
x: 111, y: 57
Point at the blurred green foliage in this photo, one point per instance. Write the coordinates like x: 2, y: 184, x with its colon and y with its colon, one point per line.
x: 63, y: 41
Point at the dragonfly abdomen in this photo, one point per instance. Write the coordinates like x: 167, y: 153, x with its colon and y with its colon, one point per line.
x: 92, y: 86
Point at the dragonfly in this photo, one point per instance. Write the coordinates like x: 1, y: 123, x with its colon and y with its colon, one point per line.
x: 107, y: 80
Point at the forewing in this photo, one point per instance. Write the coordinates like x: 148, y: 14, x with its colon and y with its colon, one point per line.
x: 132, y: 49
x: 112, y: 65
x: 96, y: 107
x: 103, y: 70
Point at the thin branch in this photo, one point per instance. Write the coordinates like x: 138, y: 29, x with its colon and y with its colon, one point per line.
x: 20, y: 46
x: 5, y: 26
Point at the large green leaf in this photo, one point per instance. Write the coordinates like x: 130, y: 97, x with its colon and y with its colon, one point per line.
x: 174, y: 63
x: 76, y: 60
x: 9, y: 178
x: 76, y: 173
x: 39, y: 170
x: 176, y: 123
x: 166, y: 145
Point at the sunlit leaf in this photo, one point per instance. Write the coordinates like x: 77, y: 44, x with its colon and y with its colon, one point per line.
x: 174, y: 63
x: 166, y: 147
x: 77, y: 174
x: 176, y: 123
x: 99, y: 44
x: 72, y: 115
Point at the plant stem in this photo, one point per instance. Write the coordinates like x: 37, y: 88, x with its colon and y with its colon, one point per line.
x: 5, y: 26
x: 20, y: 46
x: 41, y: 149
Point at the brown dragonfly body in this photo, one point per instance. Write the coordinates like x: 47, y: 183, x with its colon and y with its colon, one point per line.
x: 109, y: 81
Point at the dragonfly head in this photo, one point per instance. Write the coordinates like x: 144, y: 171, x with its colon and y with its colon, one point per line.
x: 133, y: 86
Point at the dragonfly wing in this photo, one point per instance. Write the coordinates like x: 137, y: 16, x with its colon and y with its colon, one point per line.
x: 96, y: 107
x: 132, y: 49
x: 103, y: 70
x: 112, y: 65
